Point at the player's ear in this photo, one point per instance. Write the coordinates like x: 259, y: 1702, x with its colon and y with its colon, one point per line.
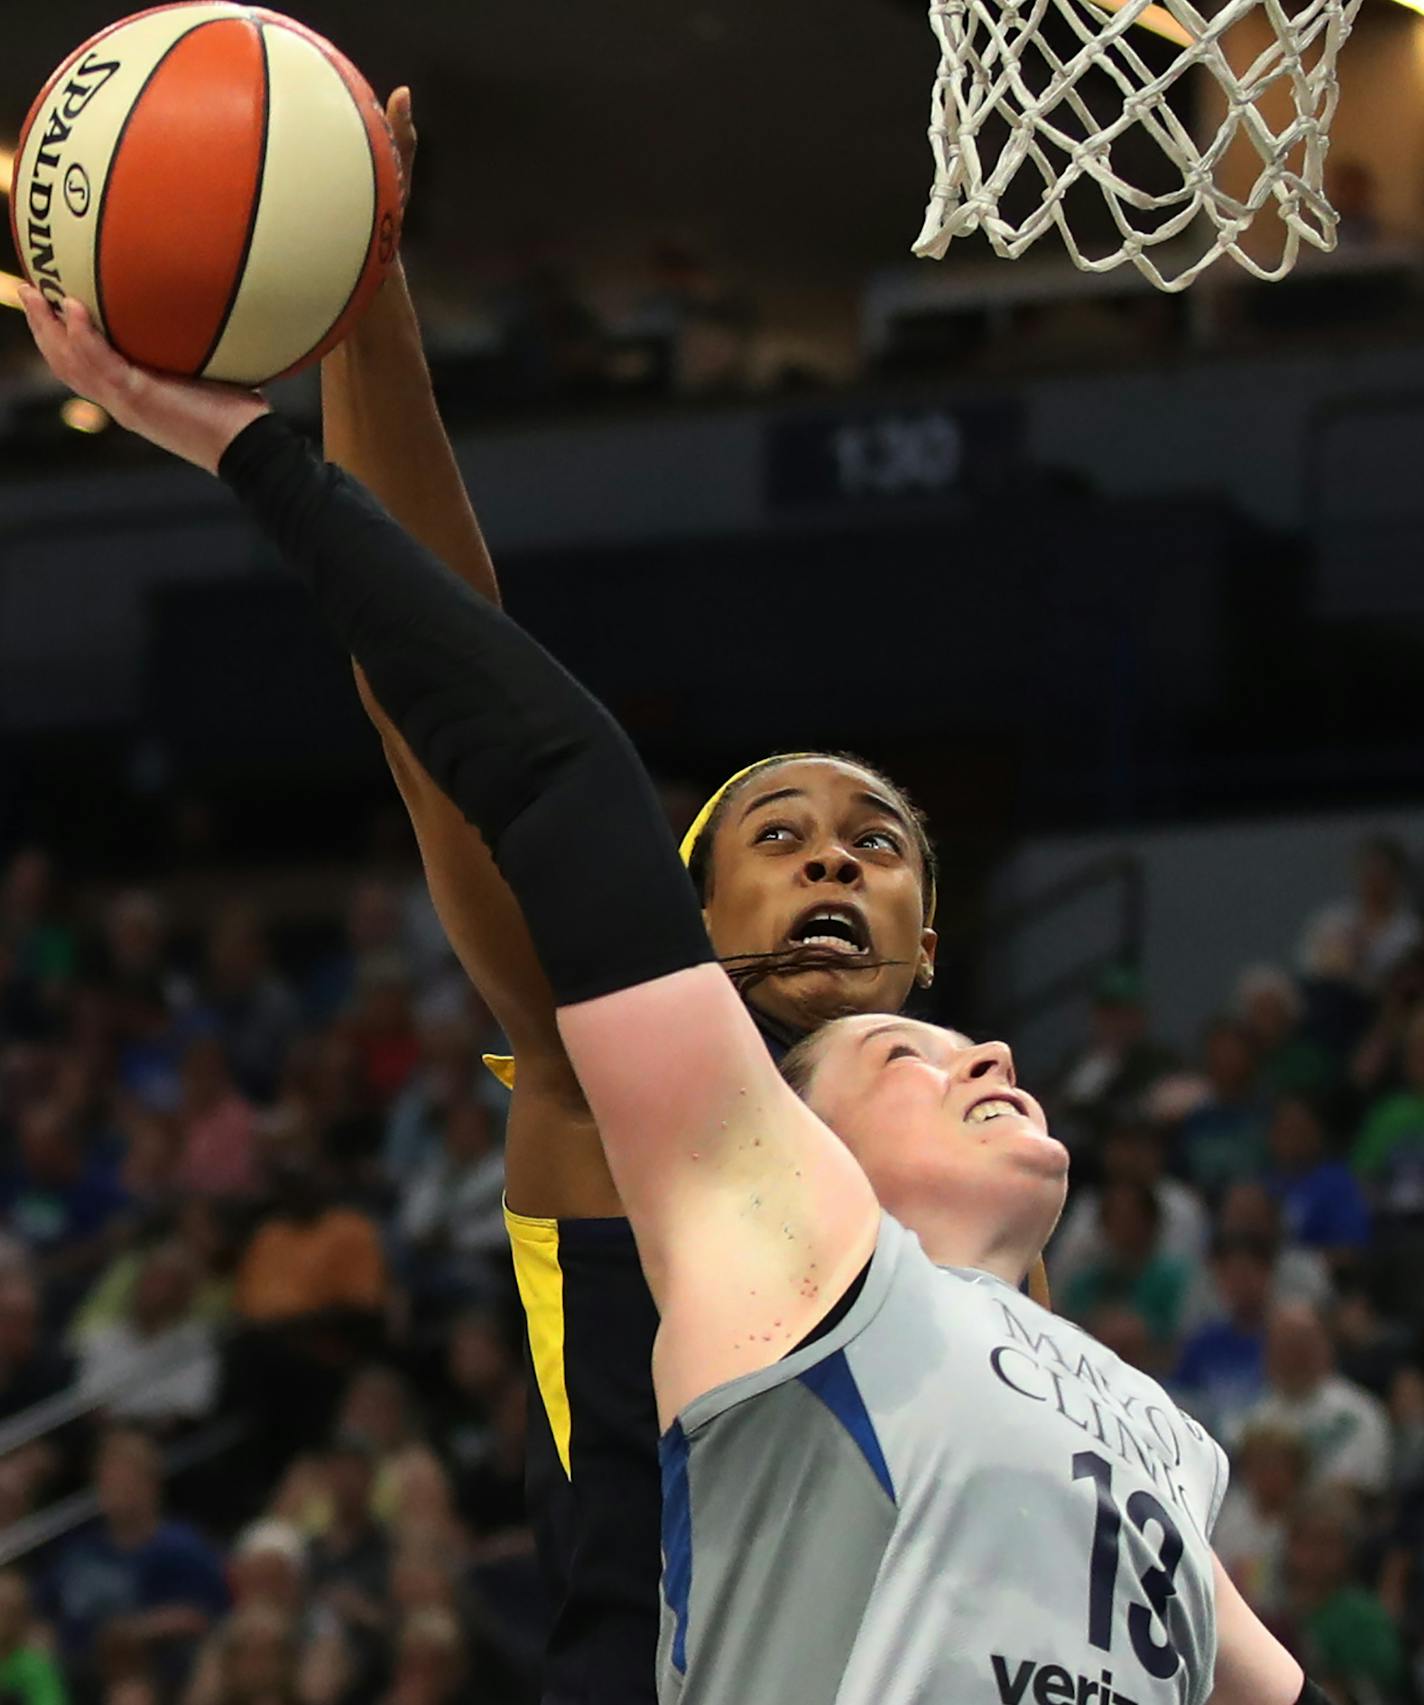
x: 924, y: 966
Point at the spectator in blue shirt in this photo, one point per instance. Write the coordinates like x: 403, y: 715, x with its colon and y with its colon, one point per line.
x: 246, y: 1004
x: 136, y: 1580
x: 32, y: 1368
x: 1321, y: 1204
x: 150, y: 1035
x: 374, y: 929
x: 1222, y: 1140
x: 1222, y: 1369
x: 60, y: 1199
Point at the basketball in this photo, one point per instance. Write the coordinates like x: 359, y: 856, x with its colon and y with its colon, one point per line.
x: 216, y: 183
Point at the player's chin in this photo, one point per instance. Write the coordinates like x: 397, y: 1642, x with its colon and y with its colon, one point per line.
x: 1032, y: 1146
x: 1050, y: 1154
x: 837, y: 991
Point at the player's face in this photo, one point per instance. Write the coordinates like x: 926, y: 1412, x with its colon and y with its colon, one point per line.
x: 814, y: 852
x: 944, y: 1133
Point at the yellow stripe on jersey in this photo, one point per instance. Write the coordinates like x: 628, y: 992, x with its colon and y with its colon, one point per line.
x: 535, y: 1244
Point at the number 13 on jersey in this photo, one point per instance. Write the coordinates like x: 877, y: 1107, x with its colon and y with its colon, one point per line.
x: 1158, y: 1656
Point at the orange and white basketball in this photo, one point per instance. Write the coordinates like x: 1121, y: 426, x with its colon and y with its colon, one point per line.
x: 216, y: 183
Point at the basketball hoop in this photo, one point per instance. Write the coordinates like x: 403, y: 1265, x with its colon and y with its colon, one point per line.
x: 999, y: 70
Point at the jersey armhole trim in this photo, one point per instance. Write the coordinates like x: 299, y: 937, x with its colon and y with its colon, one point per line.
x: 528, y: 1228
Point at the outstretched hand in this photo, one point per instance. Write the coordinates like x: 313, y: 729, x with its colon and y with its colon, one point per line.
x: 192, y: 418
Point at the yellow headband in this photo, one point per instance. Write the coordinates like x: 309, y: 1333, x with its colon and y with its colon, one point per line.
x: 704, y: 816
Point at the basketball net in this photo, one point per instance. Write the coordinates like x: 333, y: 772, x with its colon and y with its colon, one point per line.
x: 997, y: 65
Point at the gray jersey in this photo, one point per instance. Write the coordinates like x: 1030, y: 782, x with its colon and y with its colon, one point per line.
x: 953, y: 1497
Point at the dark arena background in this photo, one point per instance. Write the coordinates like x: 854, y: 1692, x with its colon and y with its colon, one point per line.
x: 1128, y: 590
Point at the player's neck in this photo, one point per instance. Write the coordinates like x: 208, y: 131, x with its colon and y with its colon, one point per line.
x: 1002, y: 1255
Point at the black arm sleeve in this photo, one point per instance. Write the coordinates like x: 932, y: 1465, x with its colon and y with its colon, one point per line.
x: 531, y: 759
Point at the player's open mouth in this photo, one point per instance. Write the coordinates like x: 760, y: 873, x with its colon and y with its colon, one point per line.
x: 842, y: 929
x: 994, y: 1106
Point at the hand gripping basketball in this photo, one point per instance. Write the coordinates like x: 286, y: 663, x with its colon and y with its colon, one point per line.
x: 194, y: 419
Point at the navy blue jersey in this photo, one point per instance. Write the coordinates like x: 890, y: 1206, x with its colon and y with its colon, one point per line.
x: 594, y: 1483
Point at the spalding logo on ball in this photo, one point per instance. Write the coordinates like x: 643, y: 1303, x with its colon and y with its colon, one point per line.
x: 216, y: 183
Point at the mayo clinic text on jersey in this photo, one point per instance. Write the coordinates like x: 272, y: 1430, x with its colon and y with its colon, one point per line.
x: 1032, y: 1365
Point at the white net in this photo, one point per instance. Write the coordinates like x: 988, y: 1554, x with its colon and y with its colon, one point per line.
x: 1015, y: 99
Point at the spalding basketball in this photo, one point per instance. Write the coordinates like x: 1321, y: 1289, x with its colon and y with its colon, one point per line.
x: 216, y: 183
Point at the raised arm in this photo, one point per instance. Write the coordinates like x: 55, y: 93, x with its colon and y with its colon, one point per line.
x: 383, y: 426
x: 750, y: 1216
x: 382, y: 423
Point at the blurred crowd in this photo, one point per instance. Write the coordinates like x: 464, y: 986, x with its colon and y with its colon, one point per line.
x: 261, y: 1404
x: 253, y: 1275
x: 1247, y: 1224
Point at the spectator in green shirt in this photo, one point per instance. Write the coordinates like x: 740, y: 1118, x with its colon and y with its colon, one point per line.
x: 1106, y: 1080
x: 1271, y: 1007
x: 1340, y: 1631
x: 28, y: 1674
x: 1131, y: 1269
x: 29, y: 919
x: 37, y: 952
x: 1388, y: 1155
